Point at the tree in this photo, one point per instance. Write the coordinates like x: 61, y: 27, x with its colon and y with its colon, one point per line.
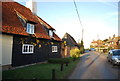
x: 82, y: 47
x: 105, y: 40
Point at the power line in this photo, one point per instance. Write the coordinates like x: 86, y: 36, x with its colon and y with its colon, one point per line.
x: 79, y: 17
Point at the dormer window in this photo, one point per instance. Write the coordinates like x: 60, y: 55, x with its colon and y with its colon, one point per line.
x: 50, y: 33
x: 30, y: 28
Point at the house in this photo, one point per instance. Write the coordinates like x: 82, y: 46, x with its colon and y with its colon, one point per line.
x: 68, y: 44
x: 97, y: 45
x: 107, y: 44
x: 26, y: 38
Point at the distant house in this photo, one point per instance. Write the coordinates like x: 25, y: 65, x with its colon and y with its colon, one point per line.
x: 26, y: 38
x: 68, y: 44
x: 107, y: 44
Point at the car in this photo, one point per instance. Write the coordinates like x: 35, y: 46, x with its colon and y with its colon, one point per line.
x: 92, y: 49
x: 114, y: 56
x: 86, y: 51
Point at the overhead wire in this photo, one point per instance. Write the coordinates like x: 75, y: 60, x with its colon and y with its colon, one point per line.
x: 79, y: 17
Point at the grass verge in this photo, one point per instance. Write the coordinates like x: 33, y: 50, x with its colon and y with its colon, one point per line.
x: 39, y: 71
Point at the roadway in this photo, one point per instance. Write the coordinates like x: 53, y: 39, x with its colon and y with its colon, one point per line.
x: 94, y: 65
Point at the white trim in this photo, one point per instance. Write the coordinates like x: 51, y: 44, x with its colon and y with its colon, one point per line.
x: 54, y: 49
x: 28, y: 50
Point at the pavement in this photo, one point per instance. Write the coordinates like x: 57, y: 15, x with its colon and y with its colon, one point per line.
x: 94, y: 65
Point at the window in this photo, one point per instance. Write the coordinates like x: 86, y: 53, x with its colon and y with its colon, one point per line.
x: 119, y: 41
x: 54, y: 48
x: 27, y: 48
x: 30, y: 28
x: 50, y: 33
x: 112, y: 42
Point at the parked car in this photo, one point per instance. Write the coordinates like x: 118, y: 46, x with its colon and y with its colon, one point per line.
x: 92, y: 49
x: 86, y: 51
x: 114, y: 56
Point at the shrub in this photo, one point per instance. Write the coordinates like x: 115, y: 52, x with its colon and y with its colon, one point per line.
x: 75, y: 53
x: 59, y: 60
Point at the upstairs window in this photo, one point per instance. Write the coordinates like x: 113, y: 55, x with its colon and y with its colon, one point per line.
x: 27, y: 48
x: 30, y: 28
x: 50, y: 33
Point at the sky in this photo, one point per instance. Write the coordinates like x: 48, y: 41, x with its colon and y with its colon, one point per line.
x: 99, y: 18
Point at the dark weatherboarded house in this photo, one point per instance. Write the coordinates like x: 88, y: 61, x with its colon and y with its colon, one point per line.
x: 69, y: 43
x: 26, y: 38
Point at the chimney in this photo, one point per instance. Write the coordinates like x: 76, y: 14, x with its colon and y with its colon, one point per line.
x: 114, y: 36
x: 32, y: 5
x: 109, y: 37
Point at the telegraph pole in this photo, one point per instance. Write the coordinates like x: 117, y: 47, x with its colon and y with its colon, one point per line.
x: 79, y: 19
x: 98, y: 42
x: 82, y: 46
x: 82, y: 33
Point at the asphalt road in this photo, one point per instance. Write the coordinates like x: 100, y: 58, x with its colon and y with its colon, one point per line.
x: 94, y: 65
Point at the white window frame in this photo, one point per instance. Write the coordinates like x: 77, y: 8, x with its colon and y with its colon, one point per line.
x: 50, y: 33
x: 28, y: 48
x: 30, y: 28
x: 54, y: 49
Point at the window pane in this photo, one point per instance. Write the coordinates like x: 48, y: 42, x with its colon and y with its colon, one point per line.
x: 29, y: 48
x: 56, y: 49
x: 32, y: 28
x: 28, y: 27
x: 26, y: 48
x: 50, y: 33
x: 52, y: 48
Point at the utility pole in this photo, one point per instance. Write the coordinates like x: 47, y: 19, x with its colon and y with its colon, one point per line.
x: 82, y: 33
x: 98, y: 42
x: 79, y: 18
x: 82, y: 46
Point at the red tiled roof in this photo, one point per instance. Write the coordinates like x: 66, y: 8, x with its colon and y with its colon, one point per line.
x: 46, y: 24
x: 56, y: 37
x: 49, y: 27
x: 11, y: 23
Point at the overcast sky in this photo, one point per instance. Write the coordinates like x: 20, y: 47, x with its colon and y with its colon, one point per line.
x: 99, y: 19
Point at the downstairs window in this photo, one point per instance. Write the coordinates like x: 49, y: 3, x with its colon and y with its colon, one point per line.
x: 27, y: 48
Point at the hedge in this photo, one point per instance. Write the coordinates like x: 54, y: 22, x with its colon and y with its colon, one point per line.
x: 59, y: 60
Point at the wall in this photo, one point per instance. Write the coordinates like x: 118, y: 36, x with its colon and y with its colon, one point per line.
x: 55, y: 54
x: 42, y: 50
x: 7, y: 44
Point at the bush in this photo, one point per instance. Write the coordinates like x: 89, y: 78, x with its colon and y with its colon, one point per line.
x: 75, y: 53
x: 59, y: 60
